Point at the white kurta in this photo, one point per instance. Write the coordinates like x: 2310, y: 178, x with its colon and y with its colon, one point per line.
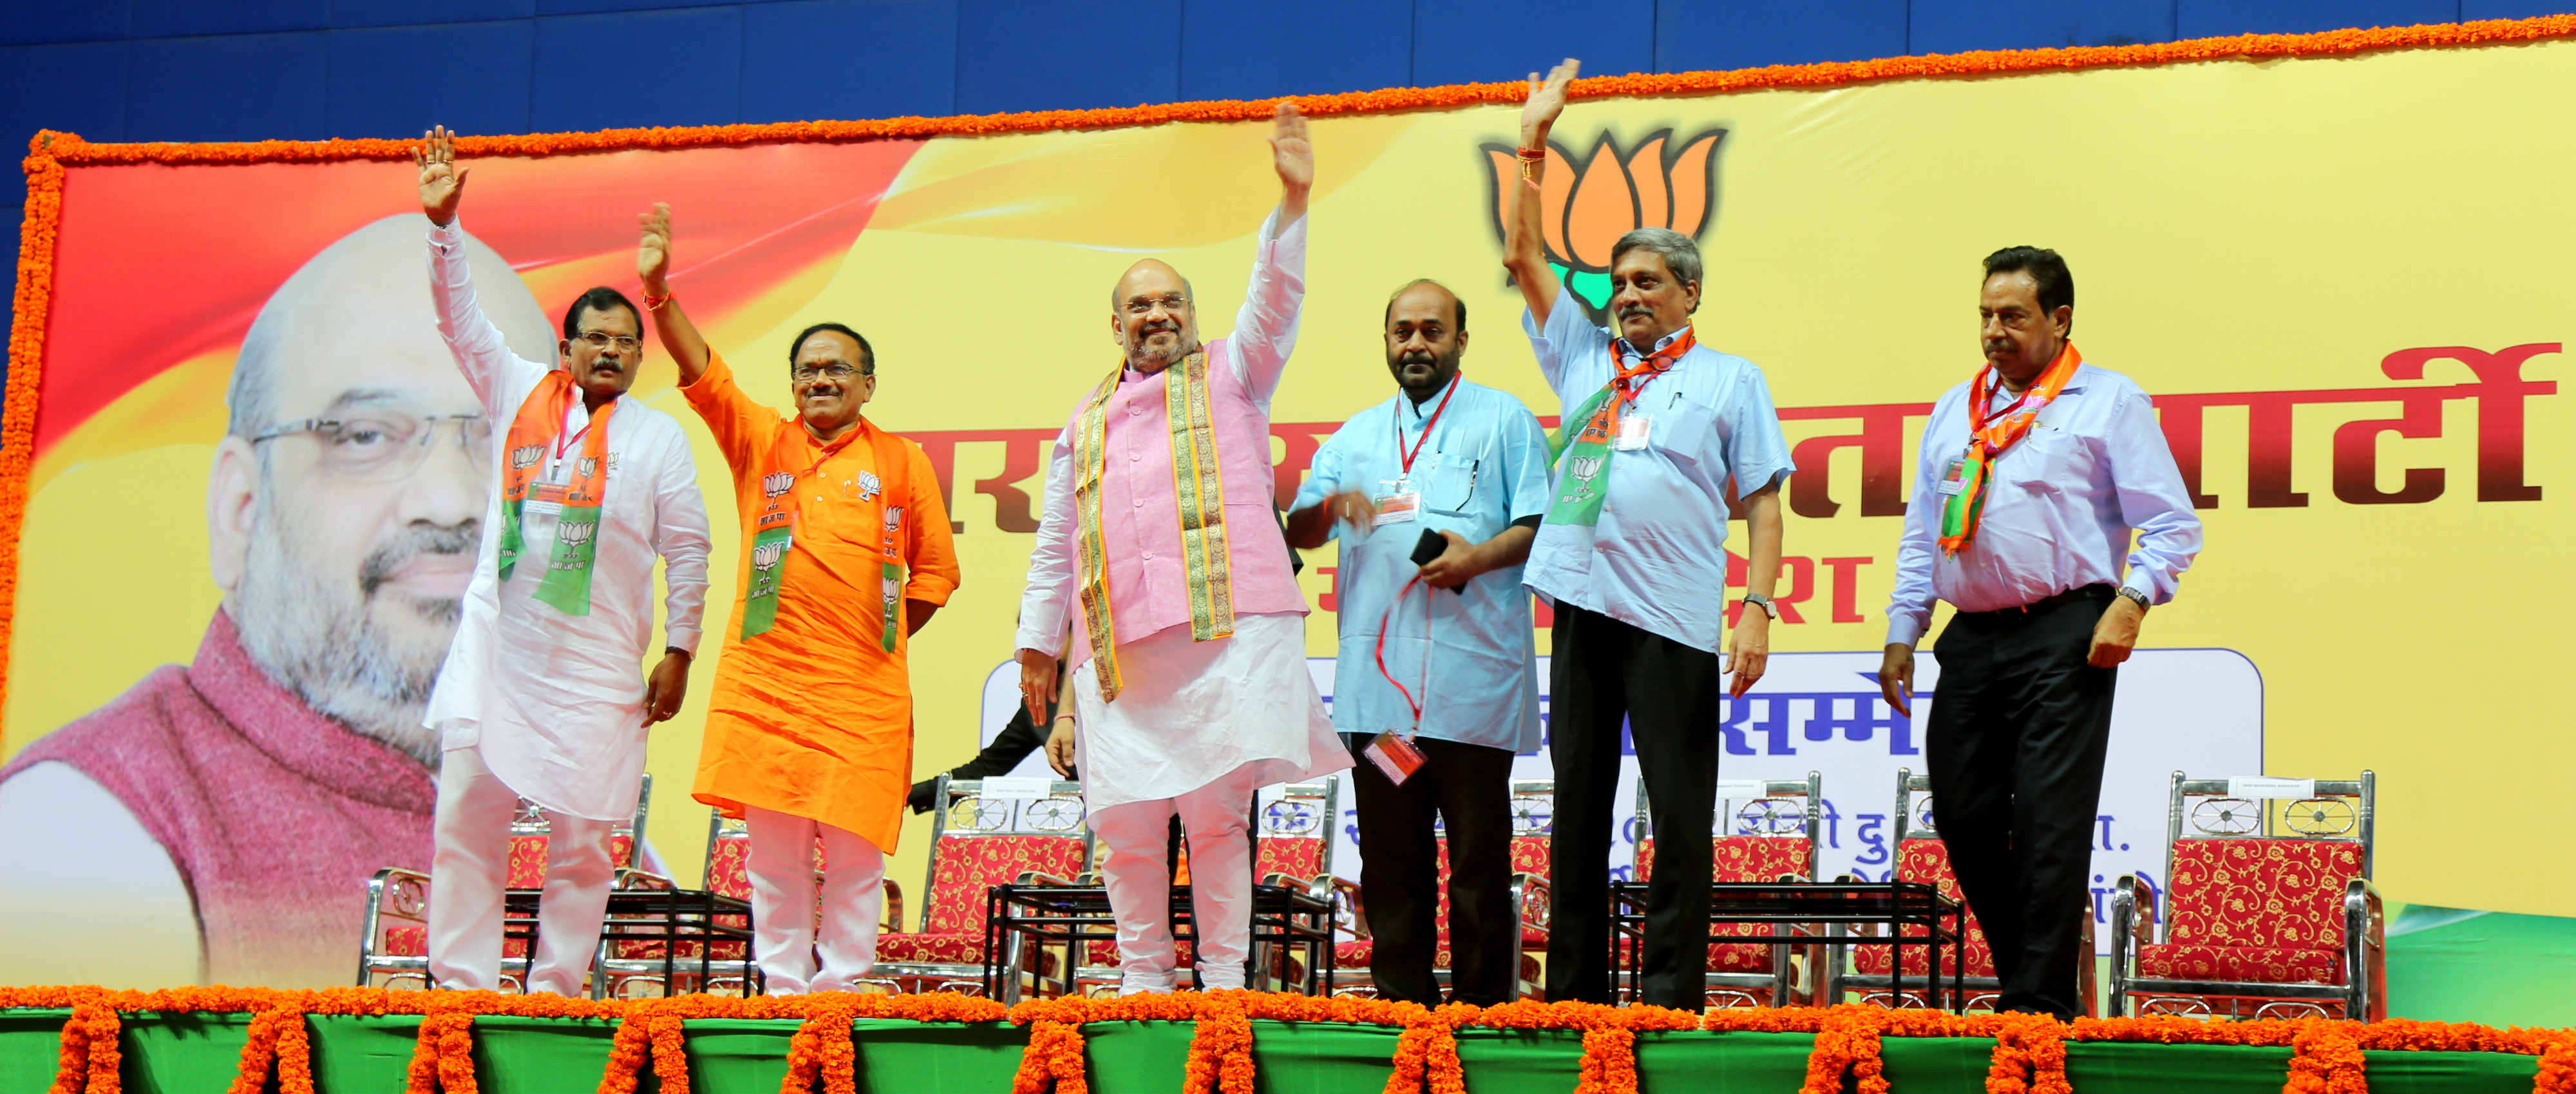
x: 1191, y: 712
x: 555, y: 702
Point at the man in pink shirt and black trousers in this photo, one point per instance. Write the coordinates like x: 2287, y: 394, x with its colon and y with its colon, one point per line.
x: 1189, y: 683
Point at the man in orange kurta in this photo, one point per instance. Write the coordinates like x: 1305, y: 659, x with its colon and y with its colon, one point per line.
x: 845, y: 554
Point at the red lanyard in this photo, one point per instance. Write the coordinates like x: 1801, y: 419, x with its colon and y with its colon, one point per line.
x: 1397, y: 421
x: 1382, y: 622
x: 564, y: 444
x: 1652, y: 365
x: 1982, y: 393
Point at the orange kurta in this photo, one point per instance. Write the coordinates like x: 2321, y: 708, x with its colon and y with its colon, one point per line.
x: 814, y: 716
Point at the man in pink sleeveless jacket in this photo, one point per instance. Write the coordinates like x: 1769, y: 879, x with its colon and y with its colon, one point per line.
x: 1189, y: 684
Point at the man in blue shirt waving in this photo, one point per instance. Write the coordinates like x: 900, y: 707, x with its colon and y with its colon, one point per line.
x: 2033, y: 474
x: 1657, y: 428
x: 1434, y: 495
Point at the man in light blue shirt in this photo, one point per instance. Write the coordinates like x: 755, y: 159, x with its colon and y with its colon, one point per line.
x: 1658, y: 430
x: 1437, y: 652
x: 2032, y: 477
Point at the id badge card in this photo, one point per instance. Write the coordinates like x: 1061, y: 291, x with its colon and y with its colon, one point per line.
x: 1954, y: 477
x: 1395, y: 756
x: 1633, y: 431
x: 545, y: 499
x: 1398, y: 505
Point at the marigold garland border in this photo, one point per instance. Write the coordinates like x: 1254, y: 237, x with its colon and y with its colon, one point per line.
x: 2029, y: 1055
x: 50, y: 151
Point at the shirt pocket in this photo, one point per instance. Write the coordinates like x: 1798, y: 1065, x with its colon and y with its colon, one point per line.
x: 1687, y: 431
x: 1449, y: 483
x: 2040, y: 461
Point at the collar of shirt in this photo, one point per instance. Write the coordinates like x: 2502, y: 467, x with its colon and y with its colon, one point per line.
x: 1422, y: 411
x: 1660, y: 343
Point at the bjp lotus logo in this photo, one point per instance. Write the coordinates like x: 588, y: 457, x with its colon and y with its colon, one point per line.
x: 1590, y: 203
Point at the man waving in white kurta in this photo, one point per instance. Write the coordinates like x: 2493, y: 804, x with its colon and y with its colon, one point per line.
x: 1190, y: 685
x: 542, y: 696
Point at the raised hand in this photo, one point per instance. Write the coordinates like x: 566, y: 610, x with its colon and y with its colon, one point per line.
x: 1294, y: 157
x: 442, y: 183
x: 653, y: 254
x: 1546, y: 101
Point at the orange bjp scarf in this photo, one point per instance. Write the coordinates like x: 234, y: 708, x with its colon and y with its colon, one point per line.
x: 577, y: 502
x: 1991, y: 432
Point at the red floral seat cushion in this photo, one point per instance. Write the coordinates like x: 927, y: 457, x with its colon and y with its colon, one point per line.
x: 1927, y: 861
x: 1739, y: 957
x: 1741, y: 858
x: 932, y: 949
x: 1296, y: 857
x: 952, y: 925
x: 729, y: 867
x: 412, y: 940
x: 2255, y: 964
x: 966, y: 866
x: 2259, y: 893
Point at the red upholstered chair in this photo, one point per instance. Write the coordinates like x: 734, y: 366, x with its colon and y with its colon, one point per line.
x: 1533, y: 822
x: 393, y: 948
x: 1921, y: 857
x: 1766, y: 831
x: 630, y: 965
x: 2268, y: 907
x: 979, y: 841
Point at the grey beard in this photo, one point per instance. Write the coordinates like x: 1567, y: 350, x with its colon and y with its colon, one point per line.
x: 319, y: 639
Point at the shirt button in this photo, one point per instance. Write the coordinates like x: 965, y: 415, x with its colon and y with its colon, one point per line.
x: 1135, y: 457
x: 1140, y: 503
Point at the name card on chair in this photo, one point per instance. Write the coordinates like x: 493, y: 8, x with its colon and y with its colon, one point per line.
x: 2265, y: 786
x: 1741, y: 789
x: 1018, y: 787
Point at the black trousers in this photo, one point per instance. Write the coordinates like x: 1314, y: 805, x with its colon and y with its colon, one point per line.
x: 1604, y: 672
x: 1470, y: 787
x: 2015, y: 745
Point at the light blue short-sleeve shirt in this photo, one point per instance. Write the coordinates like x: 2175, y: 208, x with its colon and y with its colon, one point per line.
x: 1468, y: 657
x: 1657, y: 558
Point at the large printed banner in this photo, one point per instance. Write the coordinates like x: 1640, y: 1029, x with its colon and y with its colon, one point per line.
x: 2337, y: 273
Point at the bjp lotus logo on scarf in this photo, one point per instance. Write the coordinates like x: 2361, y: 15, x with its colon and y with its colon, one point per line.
x: 1590, y: 202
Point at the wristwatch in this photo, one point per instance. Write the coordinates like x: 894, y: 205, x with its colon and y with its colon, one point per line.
x: 1763, y: 602
x: 2135, y: 597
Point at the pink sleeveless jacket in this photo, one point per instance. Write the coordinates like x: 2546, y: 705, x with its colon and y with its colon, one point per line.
x: 1140, y: 506
x: 274, y: 815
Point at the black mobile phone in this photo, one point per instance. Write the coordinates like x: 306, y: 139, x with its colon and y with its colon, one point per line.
x: 1432, y: 546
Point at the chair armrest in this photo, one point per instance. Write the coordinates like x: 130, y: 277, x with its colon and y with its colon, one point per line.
x: 2087, y: 992
x: 396, y: 892
x: 2133, y: 918
x: 1346, y: 893
x: 1040, y: 877
x: 1536, y: 900
x: 893, y: 923
x: 2365, y: 950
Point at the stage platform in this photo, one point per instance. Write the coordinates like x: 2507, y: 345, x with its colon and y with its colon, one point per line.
x: 213, y: 1039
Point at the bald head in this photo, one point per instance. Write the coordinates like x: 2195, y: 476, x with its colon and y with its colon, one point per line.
x: 1151, y: 313
x: 366, y: 298
x: 1426, y: 335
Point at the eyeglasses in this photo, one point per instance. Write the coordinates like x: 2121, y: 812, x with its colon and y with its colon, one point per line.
x: 1144, y: 305
x: 809, y: 373
x: 388, y: 445
x: 625, y: 343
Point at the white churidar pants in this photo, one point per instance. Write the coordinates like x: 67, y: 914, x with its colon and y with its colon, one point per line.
x: 1138, y: 875
x: 470, y: 865
x: 785, y: 933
